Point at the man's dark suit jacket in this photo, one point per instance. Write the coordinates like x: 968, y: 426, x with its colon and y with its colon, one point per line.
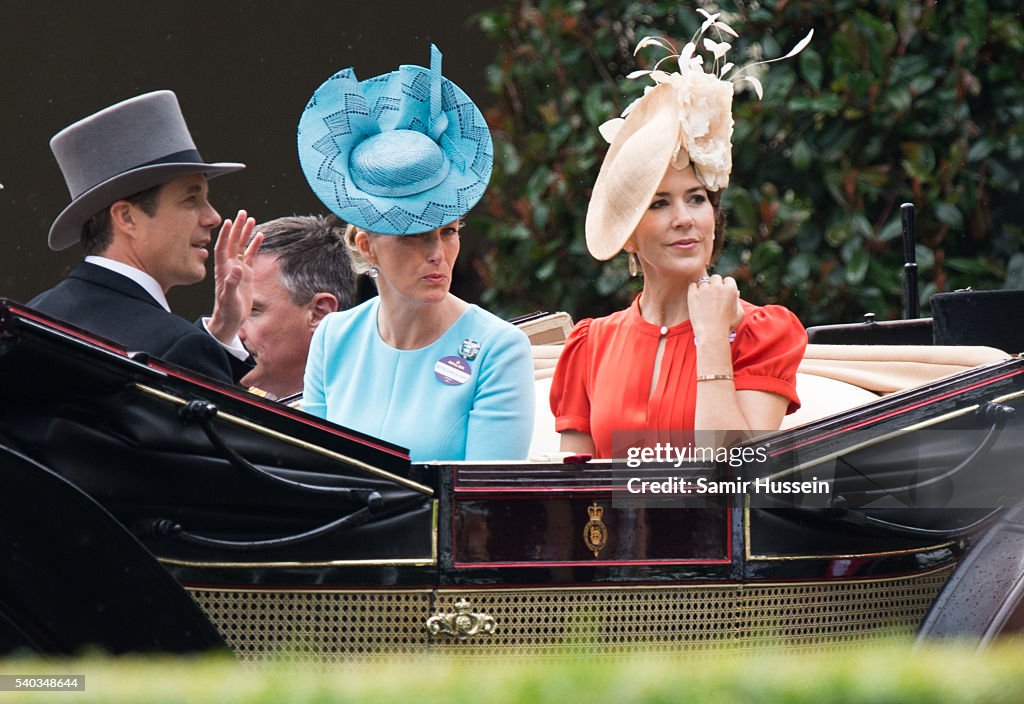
x: 113, y: 306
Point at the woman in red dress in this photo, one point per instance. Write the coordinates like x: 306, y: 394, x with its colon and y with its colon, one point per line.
x: 689, y: 353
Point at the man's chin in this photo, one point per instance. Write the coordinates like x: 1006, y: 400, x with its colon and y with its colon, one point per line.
x: 194, y: 276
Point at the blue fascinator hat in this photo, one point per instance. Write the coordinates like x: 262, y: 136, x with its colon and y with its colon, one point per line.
x: 399, y: 154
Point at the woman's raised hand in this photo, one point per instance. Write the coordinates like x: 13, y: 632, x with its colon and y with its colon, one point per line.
x: 714, y: 306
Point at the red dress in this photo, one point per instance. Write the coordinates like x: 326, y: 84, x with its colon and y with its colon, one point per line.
x: 603, y: 379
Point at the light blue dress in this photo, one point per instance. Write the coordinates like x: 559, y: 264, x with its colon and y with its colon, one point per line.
x: 445, y: 401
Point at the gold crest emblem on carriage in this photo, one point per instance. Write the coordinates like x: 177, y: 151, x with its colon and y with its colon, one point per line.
x: 595, y: 533
x: 462, y: 623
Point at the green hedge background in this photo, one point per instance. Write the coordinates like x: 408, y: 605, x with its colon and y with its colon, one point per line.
x: 884, y: 674
x: 892, y: 102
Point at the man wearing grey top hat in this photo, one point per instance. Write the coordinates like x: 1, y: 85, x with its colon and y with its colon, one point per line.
x: 140, y: 209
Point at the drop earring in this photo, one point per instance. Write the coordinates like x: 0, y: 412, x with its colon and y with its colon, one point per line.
x: 633, y: 264
x: 373, y: 272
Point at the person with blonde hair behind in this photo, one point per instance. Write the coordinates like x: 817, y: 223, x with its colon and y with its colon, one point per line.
x: 689, y: 353
x: 403, y: 157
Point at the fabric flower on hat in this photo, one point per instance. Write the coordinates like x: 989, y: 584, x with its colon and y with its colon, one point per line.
x: 705, y: 127
x: 705, y: 99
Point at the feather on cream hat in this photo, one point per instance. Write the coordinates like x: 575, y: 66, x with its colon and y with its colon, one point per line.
x: 684, y: 119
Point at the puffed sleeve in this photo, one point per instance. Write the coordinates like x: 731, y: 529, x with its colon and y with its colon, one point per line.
x: 570, y: 396
x: 314, y: 399
x: 769, y: 345
x: 501, y: 421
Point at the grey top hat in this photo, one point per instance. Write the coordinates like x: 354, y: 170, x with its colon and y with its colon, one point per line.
x: 129, y: 147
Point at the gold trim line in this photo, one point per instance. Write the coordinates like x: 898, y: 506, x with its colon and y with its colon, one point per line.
x: 844, y: 556
x: 398, y: 562
x: 292, y: 590
x: 750, y: 584
x: 434, y: 518
x: 1007, y: 397
x: 874, y: 441
x: 408, y: 483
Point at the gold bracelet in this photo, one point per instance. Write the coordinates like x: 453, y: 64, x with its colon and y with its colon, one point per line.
x: 714, y: 377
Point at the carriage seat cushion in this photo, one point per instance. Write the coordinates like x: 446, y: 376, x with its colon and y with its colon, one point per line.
x: 821, y: 396
x: 831, y: 379
x: 885, y: 369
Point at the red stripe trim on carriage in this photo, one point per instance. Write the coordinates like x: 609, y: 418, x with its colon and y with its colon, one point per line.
x: 367, y: 587
x: 72, y: 331
x: 594, y: 563
x: 223, y: 389
x: 748, y: 583
x: 726, y: 560
x: 896, y: 412
x: 536, y: 490
x: 507, y: 493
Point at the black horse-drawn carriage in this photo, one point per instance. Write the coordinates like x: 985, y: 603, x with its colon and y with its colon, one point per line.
x: 145, y: 508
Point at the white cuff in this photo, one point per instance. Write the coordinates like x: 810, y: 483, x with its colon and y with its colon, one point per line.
x: 235, y: 348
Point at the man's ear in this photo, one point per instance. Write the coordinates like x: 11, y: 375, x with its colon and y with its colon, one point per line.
x: 122, y: 217
x: 320, y: 306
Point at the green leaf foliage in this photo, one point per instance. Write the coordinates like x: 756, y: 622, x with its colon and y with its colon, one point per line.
x: 892, y: 102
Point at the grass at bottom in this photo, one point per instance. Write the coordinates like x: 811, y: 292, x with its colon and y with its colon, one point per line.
x: 890, y: 672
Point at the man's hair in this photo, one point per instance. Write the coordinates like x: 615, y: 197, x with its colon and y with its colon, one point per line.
x: 311, y: 257
x: 97, y: 233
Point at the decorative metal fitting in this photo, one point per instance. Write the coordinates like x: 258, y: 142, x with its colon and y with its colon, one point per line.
x: 462, y: 623
x: 595, y: 533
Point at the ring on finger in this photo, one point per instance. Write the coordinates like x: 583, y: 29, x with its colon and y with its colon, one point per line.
x: 703, y: 280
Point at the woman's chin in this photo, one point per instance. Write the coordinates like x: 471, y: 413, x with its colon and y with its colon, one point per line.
x: 688, y: 270
x: 432, y: 297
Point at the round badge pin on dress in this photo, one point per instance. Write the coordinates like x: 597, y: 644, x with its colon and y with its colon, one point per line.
x: 452, y: 370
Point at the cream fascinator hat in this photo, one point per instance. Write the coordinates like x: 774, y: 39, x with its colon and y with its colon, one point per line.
x: 684, y: 119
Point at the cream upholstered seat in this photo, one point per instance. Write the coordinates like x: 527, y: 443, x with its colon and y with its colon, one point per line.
x: 885, y: 369
x: 831, y: 379
x: 545, y: 441
x: 821, y: 396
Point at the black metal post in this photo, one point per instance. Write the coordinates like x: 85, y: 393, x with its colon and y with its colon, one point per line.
x: 910, y: 302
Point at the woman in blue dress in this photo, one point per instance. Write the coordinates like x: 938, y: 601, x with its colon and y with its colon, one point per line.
x: 402, y: 157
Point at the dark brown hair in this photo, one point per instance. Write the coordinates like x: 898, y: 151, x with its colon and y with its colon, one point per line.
x: 96, y: 232
x: 311, y: 257
x: 715, y: 197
